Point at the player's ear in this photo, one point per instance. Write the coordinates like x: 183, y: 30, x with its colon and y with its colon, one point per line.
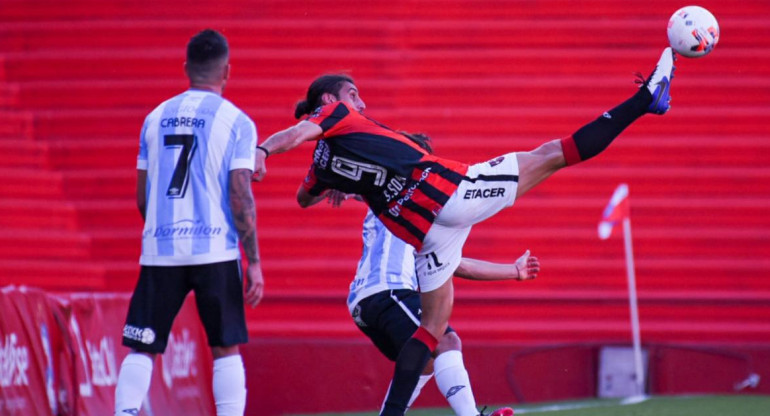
x: 226, y: 75
x: 328, y: 98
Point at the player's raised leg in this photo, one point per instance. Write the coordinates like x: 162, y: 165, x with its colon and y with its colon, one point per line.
x: 590, y: 140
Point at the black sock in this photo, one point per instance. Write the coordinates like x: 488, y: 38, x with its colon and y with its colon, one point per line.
x: 411, y: 362
x: 594, y: 137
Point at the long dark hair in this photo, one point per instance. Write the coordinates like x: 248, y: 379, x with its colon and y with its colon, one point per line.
x: 421, y: 139
x: 331, y: 83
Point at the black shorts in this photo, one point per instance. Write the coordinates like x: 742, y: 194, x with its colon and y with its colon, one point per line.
x: 389, y: 319
x: 161, y: 291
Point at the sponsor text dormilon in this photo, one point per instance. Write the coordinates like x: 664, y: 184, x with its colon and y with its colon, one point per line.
x: 186, y: 230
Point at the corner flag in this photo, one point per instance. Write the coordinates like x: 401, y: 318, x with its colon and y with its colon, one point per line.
x: 617, y: 210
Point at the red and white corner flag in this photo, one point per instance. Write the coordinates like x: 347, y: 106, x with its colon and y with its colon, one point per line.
x: 615, y: 212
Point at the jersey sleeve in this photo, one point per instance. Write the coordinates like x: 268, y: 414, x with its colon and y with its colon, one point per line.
x: 311, y: 184
x: 141, y: 158
x: 245, y: 150
x: 330, y: 117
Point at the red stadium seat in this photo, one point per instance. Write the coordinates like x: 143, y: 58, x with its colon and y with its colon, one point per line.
x: 79, y: 76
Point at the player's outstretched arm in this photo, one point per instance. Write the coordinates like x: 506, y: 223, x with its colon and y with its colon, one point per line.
x: 334, y: 197
x: 283, y: 141
x: 526, y: 267
x: 305, y: 199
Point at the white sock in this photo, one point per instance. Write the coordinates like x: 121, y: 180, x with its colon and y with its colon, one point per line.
x: 229, y: 386
x: 420, y: 384
x: 453, y: 382
x: 133, y: 384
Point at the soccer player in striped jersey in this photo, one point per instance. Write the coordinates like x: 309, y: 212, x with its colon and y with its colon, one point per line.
x: 431, y: 202
x: 196, y: 156
x: 384, y: 302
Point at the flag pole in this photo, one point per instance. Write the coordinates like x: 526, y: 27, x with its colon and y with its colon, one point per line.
x: 617, y: 210
x: 635, y: 330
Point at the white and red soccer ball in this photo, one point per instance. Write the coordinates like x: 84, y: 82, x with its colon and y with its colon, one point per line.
x: 693, y: 31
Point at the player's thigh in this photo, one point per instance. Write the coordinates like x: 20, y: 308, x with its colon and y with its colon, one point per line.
x: 439, y: 256
x: 537, y: 165
x: 405, y: 316
x: 486, y: 189
x: 410, y: 302
x: 389, y: 318
x: 219, y: 296
x: 437, y: 308
x: 157, y: 298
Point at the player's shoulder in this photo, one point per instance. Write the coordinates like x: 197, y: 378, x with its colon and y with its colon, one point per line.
x: 160, y: 109
x: 230, y: 106
x: 338, y: 109
x: 238, y: 114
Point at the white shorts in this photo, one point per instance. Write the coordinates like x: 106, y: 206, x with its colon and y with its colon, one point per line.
x: 488, y: 188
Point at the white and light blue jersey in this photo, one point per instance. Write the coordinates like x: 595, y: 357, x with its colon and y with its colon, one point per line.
x: 188, y: 146
x: 387, y: 263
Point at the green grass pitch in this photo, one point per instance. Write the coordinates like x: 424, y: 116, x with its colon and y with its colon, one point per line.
x: 738, y: 405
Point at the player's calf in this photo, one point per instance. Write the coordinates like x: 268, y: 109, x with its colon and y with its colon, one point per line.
x: 653, y: 97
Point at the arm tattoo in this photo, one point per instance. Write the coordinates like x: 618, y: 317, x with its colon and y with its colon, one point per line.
x: 244, y: 212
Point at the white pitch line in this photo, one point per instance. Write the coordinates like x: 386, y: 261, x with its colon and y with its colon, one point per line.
x: 559, y: 407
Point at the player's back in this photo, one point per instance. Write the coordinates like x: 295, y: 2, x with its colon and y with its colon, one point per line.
x: 387, y: 263
x: 401, y: 182
x: 188, y: 146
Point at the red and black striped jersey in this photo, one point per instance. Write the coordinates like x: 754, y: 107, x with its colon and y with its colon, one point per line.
x: 403, y: 184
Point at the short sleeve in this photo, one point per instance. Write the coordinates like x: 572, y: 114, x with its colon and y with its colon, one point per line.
x: 311, y: 184
x: 329, y: 116
x: 245, y: 150
x: 141, y: 158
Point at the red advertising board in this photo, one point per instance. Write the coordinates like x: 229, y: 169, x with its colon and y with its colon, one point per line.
x: 61, y: 355
x: 29, y: 345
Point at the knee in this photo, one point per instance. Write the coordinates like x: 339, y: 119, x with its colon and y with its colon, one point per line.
x: 450, y: 341
x: 550, y: 155
x: 436, y: 329
x: 539, y: 164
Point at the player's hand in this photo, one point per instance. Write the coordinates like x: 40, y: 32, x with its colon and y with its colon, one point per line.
x: 336, y: 198
x: 255, y: 285
x: 527, y: 266
x: 259, y: 167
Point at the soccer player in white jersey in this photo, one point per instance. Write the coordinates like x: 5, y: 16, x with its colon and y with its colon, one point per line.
x: 196, y: 156
x: 384, y: 302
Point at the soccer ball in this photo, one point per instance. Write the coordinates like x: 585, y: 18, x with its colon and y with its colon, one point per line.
x: 693, y: 31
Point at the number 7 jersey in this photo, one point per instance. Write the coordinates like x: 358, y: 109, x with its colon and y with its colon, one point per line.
x: 403, y: 185
x: 188, y: 146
